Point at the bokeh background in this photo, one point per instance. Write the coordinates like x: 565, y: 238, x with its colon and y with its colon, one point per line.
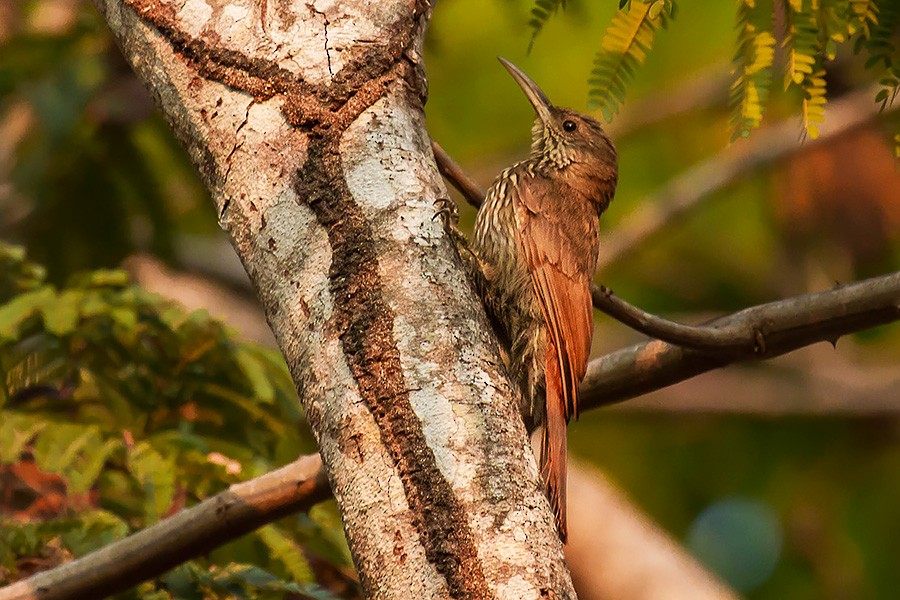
x: 782, y: 477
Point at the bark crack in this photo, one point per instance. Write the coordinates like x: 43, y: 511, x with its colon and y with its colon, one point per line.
x: 237, y: 144
x: 326, y: 23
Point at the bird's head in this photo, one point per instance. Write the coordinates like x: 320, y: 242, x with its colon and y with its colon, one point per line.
x: 561, y: 136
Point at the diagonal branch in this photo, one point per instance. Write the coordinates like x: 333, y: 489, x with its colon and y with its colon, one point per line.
x: 240, y: 509
x: 756, y: 333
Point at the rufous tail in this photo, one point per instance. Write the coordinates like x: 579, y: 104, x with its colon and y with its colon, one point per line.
x: 553, y: 445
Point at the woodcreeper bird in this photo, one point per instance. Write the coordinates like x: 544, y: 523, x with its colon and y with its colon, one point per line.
x: 537, y: 242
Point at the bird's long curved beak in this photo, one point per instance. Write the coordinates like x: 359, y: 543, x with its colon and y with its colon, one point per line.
x: 537, y: 98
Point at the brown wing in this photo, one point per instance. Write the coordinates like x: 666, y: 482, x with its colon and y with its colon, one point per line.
x: 558, y: 240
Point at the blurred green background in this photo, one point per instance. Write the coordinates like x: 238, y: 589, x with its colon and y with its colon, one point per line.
x: 803, y: 451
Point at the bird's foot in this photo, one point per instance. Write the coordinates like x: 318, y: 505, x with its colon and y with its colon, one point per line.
x: 447, y: 212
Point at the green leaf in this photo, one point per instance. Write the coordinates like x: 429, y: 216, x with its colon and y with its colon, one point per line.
x: 16, y: 431
x: 624, y: 46
x: 156, y: 475
x: 82, y: 479
x: 248, y: 405
x: 752, y: 66
x: 103, y: 278
x: 96, y: 528
x: 17, y: 274
x: 541, y: 13
x: 61, y: 317
x: 256, y: 374
x: 16, y: 312
x: 61, y: 445
x: 284, y: 549
x: 124, y: 317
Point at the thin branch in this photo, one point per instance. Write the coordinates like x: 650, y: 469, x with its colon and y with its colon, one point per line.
x: 703, y: 337
x: 759, y: 332
x: 240, y: 509
x: 467, y: 186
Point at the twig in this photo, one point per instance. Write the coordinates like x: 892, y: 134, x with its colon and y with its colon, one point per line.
x: 467, y: 186
x: 759, y: 332
x: 148, y: 553
x: 704, y: 337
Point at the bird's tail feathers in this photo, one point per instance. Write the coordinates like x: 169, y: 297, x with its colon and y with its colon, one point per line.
x: 553, y: 447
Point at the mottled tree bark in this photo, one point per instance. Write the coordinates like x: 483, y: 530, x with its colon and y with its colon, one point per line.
x: 305, y: 121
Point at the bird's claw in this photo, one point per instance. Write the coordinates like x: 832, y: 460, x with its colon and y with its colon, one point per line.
x: 447, y: 212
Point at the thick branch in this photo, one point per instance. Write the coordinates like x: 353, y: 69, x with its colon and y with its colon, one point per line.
x: 317, y: 160
x: 240, y: 509
x: 759, y: 332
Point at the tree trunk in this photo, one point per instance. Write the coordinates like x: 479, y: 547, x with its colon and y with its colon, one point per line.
x: 305, y: 121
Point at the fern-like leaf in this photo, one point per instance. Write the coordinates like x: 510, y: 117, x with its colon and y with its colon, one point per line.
x: 806, y: 40
x: 802, y: 43
x: 540, y: 14
x: 284, y: 549
x: 752, y: 66
x: 837, y: 24
x: 813, y: 107
x: 878, y: 42
x: 624, y: 47
x: 863, y: 15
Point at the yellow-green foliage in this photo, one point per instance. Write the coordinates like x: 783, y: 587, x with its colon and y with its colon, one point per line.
x: 624, y: 47
x: 540, y: 14
x: 752, y: 65
x: 141, y: 408
x: 812, y: 33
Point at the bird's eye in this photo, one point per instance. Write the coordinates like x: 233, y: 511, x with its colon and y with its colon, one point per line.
x: 570, y: 126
